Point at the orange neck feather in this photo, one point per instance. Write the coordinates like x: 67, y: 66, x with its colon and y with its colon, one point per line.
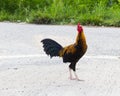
x: 80, y: 40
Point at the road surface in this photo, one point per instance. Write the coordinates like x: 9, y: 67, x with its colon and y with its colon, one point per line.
x: 25, y: 70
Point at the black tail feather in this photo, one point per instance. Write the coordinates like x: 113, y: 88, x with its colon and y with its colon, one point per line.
x: 51, y: 47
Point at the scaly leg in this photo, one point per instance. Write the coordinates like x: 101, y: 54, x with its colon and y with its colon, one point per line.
x: 70, y: 74
x: 72, y: 68
x: 71, y: 77
x: 76, y: 77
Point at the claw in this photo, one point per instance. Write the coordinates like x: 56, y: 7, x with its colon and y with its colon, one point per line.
x: 79, y: 79
x: 76, y: 77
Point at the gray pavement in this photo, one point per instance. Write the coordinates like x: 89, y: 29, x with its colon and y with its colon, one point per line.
x: 23, y: 40
x: 18, y: 39
x: 20, y: 47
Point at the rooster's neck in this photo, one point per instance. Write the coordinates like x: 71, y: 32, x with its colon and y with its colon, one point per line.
x: 81, y: 40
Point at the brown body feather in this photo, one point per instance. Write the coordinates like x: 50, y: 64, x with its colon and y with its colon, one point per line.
x: 74, y: 52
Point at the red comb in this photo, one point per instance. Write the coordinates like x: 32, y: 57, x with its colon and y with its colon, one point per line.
x: 79, y: 28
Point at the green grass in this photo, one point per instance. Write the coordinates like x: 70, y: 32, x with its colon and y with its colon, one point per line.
x: 87, y: 12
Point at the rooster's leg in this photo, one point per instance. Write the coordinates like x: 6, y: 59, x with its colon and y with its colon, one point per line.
x: 70, y: 71
x: 76, y: 76
x: 71, y: 77
x: 71, y: 68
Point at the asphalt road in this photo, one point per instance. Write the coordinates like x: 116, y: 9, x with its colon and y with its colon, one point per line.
x: 23, y: 40
x: 20, y: 46
x: 16, y: 39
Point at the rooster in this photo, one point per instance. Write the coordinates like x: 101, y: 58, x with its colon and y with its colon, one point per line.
x: 71, y: 53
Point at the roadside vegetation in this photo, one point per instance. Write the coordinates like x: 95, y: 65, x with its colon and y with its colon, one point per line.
x: 87, y: 12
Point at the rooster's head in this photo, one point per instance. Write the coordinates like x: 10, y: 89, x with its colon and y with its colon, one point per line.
x: 79, y: 28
